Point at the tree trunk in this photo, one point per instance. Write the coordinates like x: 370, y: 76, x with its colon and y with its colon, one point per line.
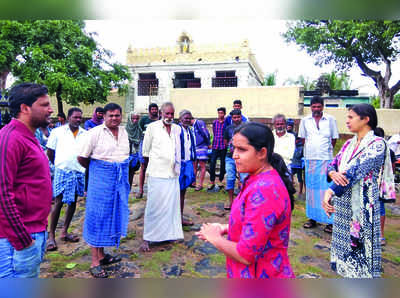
x: 59, y: 100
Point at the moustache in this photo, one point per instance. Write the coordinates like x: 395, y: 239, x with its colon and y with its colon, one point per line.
x: 316, y: 113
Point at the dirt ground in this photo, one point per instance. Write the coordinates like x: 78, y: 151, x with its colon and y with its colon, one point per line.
x: 308, y: 249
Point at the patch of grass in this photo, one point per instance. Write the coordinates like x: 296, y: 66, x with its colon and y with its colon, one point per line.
x: 338, y: 146
x: 152, y: 266
x: 392, y: 236
x: 129, y: 236
x: 83, y: 266
x: 134, y: 256
x: 186, y: 228
x: 218, y: 259
x: 392, y: 258
x: 202, y: 197
x: 298, y: 217
x: 57, y: 257
x: 203, y: 213
x: 189, y: 271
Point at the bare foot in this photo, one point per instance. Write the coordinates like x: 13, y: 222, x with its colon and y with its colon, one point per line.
x: 144, y: 246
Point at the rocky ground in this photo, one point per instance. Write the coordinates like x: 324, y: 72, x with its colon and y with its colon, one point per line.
x: 308, y: 249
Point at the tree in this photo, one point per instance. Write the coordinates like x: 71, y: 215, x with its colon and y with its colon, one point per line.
x: 62, y: 56
x: 12, y: 38
x: 306, y: 82
x: 348, y: 43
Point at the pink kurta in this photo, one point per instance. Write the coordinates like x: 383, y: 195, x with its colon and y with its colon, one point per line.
x: 260, y: 224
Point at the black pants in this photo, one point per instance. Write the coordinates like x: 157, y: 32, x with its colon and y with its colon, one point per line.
x: 221, y: 153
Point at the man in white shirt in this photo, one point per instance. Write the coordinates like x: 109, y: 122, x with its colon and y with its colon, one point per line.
x: 69, y: 175
x: 106, y: 152
x: 284, y: 142
x: 394, y: 144
x: 319, y: 133
x: 162, y: 152
x: 188, y: 157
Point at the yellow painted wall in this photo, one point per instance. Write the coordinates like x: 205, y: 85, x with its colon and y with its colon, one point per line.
x: 258, y: 102
x: 388, y: 119
x: 88, y: 109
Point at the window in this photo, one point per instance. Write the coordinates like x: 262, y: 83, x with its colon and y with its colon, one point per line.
x: 186, y: 80
x: 224, y: 79
x: 147, y: 84
x: 331, y: 105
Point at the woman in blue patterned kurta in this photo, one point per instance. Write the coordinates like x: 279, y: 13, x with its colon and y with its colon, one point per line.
x: 362, y: 175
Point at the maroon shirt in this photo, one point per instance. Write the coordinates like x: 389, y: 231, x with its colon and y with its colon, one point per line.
x: 25, y: 185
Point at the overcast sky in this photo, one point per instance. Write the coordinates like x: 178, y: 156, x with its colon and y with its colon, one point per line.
x: 265, y: 40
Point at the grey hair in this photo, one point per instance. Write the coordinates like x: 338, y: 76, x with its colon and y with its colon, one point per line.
x: 167, y: 104
x: 183, y: 113
x: 279, y: 116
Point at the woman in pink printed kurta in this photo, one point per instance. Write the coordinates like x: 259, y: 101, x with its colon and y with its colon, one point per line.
x: 259, y: 225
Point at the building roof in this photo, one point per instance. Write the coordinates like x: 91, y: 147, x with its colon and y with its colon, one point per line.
x: 187, y: 52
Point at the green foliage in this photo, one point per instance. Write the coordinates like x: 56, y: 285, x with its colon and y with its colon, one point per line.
x: 396, y: 102
x: 61, y: 55
x: 270, y: 79
x: 306, y: 82
x: 348, y: 43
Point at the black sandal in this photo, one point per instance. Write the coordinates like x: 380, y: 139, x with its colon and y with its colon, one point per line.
x: 328, y: 229
x: 310, y: 224
x: 98, y: 272
x: 109, y: 259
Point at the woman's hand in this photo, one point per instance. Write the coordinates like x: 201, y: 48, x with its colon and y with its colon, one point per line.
x: 338, y: 178
x: 211, y: 231
x: 329, y: 209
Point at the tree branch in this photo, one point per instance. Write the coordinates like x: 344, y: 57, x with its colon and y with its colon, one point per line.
x: 395, y: 88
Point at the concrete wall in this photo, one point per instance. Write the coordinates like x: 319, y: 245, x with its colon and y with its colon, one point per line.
x: 88, y: 109
x: 258, y: 102
x: 388, y: 119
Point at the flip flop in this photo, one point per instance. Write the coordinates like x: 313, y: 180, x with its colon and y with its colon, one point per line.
x: 187, y: 223
x: 310, y: 224
x: 51, y: 245
x: 70, y: 238
x: 109, y: 259
x: 98, y: 272
x: 198, y: 188
x: 328, y: 229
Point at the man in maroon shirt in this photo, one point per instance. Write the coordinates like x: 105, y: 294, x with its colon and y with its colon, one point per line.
x: 25, y: 184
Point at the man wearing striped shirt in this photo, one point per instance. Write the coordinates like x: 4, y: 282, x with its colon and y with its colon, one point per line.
x: 25, y: 184
x: 218, y: 149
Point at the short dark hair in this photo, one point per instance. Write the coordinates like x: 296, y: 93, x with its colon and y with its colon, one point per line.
x: 379, y: 132
x: 112, y: 107
x: 237, y: 102
x: 366, y: 110
x: 235, y: 112
x: 222, y: 109
x: 62, y: 115
x: 316, y: 99
x: 72, y: 110
x: 153, y: 105
x: 99, y: 110
x: 25, y: 93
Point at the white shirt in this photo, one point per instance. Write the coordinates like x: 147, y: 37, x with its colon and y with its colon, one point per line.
x: 285, y: 146
x: 393, y: 144
x: 66, y: 147
x: 100, y: 143
x: 163, y: 150
x: 187, y: 144
x: 318, y: 144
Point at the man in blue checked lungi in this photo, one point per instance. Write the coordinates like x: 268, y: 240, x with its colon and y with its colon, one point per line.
x: 162, y: 152
x: 106, y: 152
x: 319, y: 134
x: 69, y: 175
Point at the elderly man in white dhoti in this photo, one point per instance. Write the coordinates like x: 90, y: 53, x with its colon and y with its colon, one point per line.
x: 162, y: 152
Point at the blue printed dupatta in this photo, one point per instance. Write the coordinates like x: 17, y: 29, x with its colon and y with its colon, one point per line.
x: 107, y: 212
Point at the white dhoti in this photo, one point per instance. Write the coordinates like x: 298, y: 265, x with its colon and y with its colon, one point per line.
x: 162, y: 216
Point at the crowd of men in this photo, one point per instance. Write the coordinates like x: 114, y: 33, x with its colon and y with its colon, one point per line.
x: 99, y: 161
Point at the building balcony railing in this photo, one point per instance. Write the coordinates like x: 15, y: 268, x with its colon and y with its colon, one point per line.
x: 224, y: 82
